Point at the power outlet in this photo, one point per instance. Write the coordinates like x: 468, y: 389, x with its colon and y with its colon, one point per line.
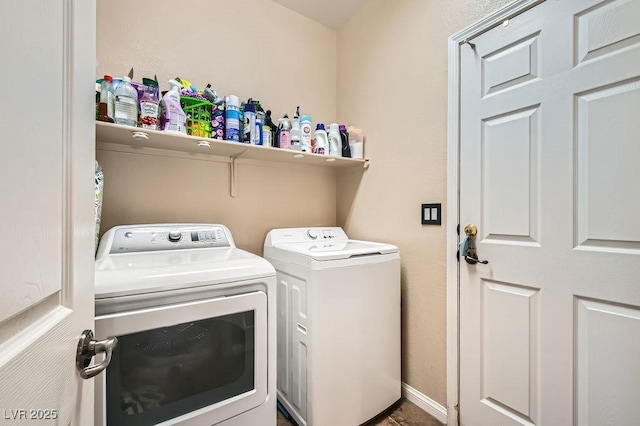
x: 432, y: 214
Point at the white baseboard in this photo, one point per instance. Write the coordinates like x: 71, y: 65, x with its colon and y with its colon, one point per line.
x: 425, y: 403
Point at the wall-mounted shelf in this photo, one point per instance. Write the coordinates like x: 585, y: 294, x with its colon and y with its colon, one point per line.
x: 139, y: 138
x: 132, y: 138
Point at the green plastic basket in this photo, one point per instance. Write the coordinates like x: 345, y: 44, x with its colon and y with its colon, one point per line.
x: 198, y: 114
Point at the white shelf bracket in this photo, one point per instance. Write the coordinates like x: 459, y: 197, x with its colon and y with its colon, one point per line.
x: 234, y: 173
x: 233, y: 167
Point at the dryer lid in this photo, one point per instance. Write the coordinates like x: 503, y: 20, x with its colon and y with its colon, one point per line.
x: 150, y: 272
x: 335, y: 250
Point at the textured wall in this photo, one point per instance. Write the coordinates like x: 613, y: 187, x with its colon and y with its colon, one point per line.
x: 147, y: 188
x: 392, y: 81
x: 249, y: 48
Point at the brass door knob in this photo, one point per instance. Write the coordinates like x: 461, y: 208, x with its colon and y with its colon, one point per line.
x: 471, y: 230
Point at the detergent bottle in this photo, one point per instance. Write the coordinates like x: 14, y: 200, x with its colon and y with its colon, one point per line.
x: 305, y: 130
x: 320, y: 137
x: 173, y: 117
x: 334, y: 140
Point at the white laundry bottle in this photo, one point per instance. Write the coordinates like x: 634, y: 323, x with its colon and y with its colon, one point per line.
x: 320, y: 137
x: 335, y: 144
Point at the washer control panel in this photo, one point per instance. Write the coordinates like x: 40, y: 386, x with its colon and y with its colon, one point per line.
x: 305, y: 235
x: 132, y: 239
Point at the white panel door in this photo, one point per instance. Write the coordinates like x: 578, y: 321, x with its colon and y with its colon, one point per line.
x: 549, y: 173
x: 46, y: 219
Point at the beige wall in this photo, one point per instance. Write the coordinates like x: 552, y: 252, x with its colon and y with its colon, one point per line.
x: 249, y: 48
x: 143, y: 188
x: 392, y: 81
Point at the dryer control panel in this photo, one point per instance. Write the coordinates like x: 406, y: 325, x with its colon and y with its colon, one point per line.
x: 144, y: 238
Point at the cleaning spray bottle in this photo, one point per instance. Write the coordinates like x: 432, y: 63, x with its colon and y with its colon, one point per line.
x: 320, y: 137
x: 284, y: 132
x: 296, y: 132
x: 335, y: 148
x: 173, y: 117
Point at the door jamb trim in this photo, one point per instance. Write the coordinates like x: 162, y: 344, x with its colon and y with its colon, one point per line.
x: 456, y: 42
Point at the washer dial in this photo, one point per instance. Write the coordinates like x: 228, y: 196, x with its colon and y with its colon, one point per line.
x: 174, y: 236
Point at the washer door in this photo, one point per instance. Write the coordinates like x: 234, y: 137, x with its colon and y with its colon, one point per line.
x: 200, y: 362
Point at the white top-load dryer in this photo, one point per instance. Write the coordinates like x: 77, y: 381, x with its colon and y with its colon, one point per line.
x: 195, y: 320
x: 338, y: 325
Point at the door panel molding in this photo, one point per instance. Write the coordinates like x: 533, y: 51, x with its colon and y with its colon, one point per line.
x: 592, y: 42
x: 597, y: 325
x: 518, y: 62
x: 510, y: 346
x: 597, y: 224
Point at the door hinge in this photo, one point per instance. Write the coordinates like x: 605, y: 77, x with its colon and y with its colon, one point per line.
x: 458, y: 252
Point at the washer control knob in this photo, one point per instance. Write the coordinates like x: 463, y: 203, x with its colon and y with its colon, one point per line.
x: 312, y: 233
x: 174, y: 236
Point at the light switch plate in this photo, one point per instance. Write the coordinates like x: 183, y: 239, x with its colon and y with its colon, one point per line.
x: 432, y: 214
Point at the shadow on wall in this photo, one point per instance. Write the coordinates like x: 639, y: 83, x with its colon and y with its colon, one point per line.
x: 347, y: 183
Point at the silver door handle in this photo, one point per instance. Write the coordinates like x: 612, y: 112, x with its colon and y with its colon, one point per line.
x: 473, y: 260
x: 88, y: 348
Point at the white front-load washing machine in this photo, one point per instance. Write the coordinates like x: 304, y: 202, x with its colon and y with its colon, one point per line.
x: 338, y: 325
x: 195, y: 321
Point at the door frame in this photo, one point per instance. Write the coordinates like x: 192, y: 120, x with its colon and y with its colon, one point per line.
x: 457, y: 42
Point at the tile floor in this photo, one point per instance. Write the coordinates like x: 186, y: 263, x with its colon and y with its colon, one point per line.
x: 403, y: 413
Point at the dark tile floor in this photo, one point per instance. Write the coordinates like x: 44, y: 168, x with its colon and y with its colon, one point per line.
x: 403, y: 413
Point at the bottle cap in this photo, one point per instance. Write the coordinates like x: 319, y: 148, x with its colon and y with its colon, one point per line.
x: 108, y: 78
x: 249, y: 108
x: 320, y: 126
x: 334, y: 126
x: 149, y: 82
x: 343, y: 128
x: 305, y: 118
x: 233, y: 101
x: 126, y: 78
x: 266, y: 128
